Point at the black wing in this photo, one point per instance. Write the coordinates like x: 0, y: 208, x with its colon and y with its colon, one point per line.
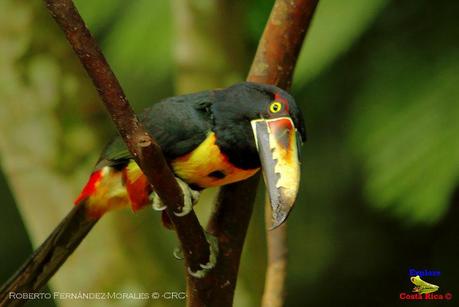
x: 179, y: 124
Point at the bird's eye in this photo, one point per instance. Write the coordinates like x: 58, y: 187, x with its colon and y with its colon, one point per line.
x: 275, y: 107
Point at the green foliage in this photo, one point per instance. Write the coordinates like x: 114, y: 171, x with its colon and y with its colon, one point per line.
x: 405, y: 129
x: 405, y: 122
x: 336, y: 25
x: 256, y: 17
x: 137, y: 40
x: 377, y: 81
x: 100, y: 14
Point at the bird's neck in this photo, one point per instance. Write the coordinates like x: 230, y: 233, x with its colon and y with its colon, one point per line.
x: 237, y: 143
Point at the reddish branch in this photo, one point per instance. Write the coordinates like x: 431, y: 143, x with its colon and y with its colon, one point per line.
x: 48, y: 258
x: 143, y: 147
x: 274, y: 63
x: 281, y: 42
x: 276, y: 271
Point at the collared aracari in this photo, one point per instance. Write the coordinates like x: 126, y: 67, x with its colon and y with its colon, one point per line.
x: 209, y: 139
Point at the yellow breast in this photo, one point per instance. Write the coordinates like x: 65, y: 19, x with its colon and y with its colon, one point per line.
x: 207, y: 166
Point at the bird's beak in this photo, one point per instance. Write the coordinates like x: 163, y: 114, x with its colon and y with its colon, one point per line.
x: 279, y: 149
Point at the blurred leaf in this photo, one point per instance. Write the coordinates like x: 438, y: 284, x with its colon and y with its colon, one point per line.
x: 121, y: 27
x: 336, y: 25
x: 405, y: 128
x: 257, y: 14
x: 98, y: 14
x: 139, y: 48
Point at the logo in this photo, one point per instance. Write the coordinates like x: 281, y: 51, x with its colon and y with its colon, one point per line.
x: 424, y: 273
x: 422, y: 289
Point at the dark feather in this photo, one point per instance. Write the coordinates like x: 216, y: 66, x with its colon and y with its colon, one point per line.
x: 179, y: 124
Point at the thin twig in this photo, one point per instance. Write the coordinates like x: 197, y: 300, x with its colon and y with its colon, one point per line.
x: 143, y: 147
x: 274, y: 63
x: 276, y: 270
x: 295, y: 23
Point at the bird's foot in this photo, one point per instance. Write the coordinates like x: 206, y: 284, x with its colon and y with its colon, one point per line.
x: 178, y: 253
x: 213, y: 253
x: 190, y: 197
x: 156, y: 202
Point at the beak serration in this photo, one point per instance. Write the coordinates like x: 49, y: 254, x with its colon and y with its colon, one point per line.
x: 277, y: 148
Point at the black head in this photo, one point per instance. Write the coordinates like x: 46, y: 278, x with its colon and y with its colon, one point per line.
x: 261, y: 125
x: 247, y: 101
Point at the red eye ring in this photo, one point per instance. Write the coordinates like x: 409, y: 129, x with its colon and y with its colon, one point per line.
x: 278, y: 97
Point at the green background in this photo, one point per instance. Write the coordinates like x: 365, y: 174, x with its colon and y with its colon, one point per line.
x: 377, y: 82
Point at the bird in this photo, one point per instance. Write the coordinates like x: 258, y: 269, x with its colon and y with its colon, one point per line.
x: 209, y: 139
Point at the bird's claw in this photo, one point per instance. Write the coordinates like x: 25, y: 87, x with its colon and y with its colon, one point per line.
x: 156, y: 202
x: 178, y: 253
x: 190, y: 197
x: 213, y: 253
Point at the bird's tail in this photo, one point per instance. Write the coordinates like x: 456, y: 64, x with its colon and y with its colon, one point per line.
x: 107, y: 189
x: 111, y: 188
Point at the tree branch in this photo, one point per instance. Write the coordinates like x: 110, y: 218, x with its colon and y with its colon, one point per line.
x: 274, y: 63
x: 276, y: 271
x: 143, y: 147
x: 281, y: 42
